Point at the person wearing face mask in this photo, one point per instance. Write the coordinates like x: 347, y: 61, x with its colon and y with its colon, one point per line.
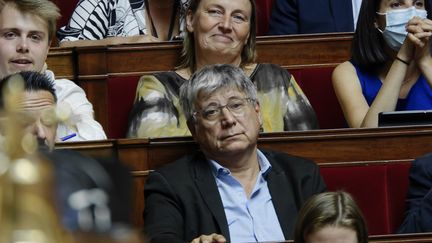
x: 390, y: 66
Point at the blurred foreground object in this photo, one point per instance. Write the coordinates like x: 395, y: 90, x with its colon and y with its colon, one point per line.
x: 27, y: 213
x: 43, y: 187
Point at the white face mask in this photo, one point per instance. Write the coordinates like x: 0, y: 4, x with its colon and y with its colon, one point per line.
x: 394, y: 32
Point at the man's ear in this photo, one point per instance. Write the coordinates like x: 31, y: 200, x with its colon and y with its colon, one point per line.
x: 258, y: 111
x: 189, y: 21
x: 46, y: 56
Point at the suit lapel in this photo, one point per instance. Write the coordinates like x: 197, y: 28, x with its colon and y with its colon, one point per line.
x: 282, y: 198
x: 207, y: 186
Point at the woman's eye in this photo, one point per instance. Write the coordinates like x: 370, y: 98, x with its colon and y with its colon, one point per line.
x: 395, y: 4
x: 239, y: 18
x: 214, y: 12
x: 419, y: 4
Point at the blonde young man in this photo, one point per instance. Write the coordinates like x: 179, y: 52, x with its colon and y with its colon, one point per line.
x: 26, y: 30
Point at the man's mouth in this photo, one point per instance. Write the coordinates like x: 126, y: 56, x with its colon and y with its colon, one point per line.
x: 230, y: 136
x: 21, y: 61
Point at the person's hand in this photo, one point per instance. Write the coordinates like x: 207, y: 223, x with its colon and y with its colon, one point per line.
x: 213, y: 238
x: 419, y: 30
x: 419, y: 33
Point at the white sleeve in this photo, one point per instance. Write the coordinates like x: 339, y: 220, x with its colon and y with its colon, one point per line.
x: 81, y: 120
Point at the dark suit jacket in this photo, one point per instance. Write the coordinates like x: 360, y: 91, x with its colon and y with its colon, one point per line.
x: 311, y: 16
x: 418, y: 217
x: 182, y: 201
x: 75, y: 172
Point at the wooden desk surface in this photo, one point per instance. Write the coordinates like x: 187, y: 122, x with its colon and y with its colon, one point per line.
x: 323, y: 146
x: 402, y: 238
x: 393, y: 238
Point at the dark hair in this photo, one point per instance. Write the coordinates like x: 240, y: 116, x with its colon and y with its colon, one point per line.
x: 330, y: 209
x: 368, y: 46
x: 248, y: 54
x: 32, y: 81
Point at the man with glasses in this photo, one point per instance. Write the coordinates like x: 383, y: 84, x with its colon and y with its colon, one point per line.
x: 230, y: 191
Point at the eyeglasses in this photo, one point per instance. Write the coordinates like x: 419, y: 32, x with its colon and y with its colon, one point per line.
x: 236, y: 106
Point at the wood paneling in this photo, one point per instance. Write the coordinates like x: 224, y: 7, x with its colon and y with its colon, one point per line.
x: 92, y: 66
x: 328, y: 148
x: 62, y: 62
x: 97, y: 64
x: 405, y: 238
x: 294, y: 51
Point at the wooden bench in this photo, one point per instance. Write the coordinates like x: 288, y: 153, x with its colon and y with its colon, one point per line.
x: 109, y: 74
x: 402, y: 238
x: 397, y: 238
x: 62, y: 61
x: 362, y: 161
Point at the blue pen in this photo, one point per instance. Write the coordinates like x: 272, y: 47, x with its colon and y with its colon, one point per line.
x: 68, y: 137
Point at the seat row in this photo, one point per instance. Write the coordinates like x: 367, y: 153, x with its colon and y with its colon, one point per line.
x: 371, y: 164
x: 109, y: 74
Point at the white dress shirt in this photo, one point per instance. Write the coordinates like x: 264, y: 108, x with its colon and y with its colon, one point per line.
x: 80, y: 121
x: 251, y: 219
x: 356, y: 4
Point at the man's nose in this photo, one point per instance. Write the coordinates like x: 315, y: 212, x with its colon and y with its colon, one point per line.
x: 22, y: 45
x: 227, y: 117
x: 39, y: 130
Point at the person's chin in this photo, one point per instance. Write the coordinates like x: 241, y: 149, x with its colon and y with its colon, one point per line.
x: 222, y: 39
x: 230, y: 138
x: 233, y: 144
x: 22, y: 67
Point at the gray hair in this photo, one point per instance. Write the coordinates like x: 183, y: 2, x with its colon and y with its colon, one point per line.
x: 210, y: 79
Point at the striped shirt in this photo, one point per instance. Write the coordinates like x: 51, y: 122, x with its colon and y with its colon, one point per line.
x: 99, y: 19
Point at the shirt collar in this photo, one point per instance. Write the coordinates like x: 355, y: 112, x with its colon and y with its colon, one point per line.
x: 218, y: 170
x: 50, y: 74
